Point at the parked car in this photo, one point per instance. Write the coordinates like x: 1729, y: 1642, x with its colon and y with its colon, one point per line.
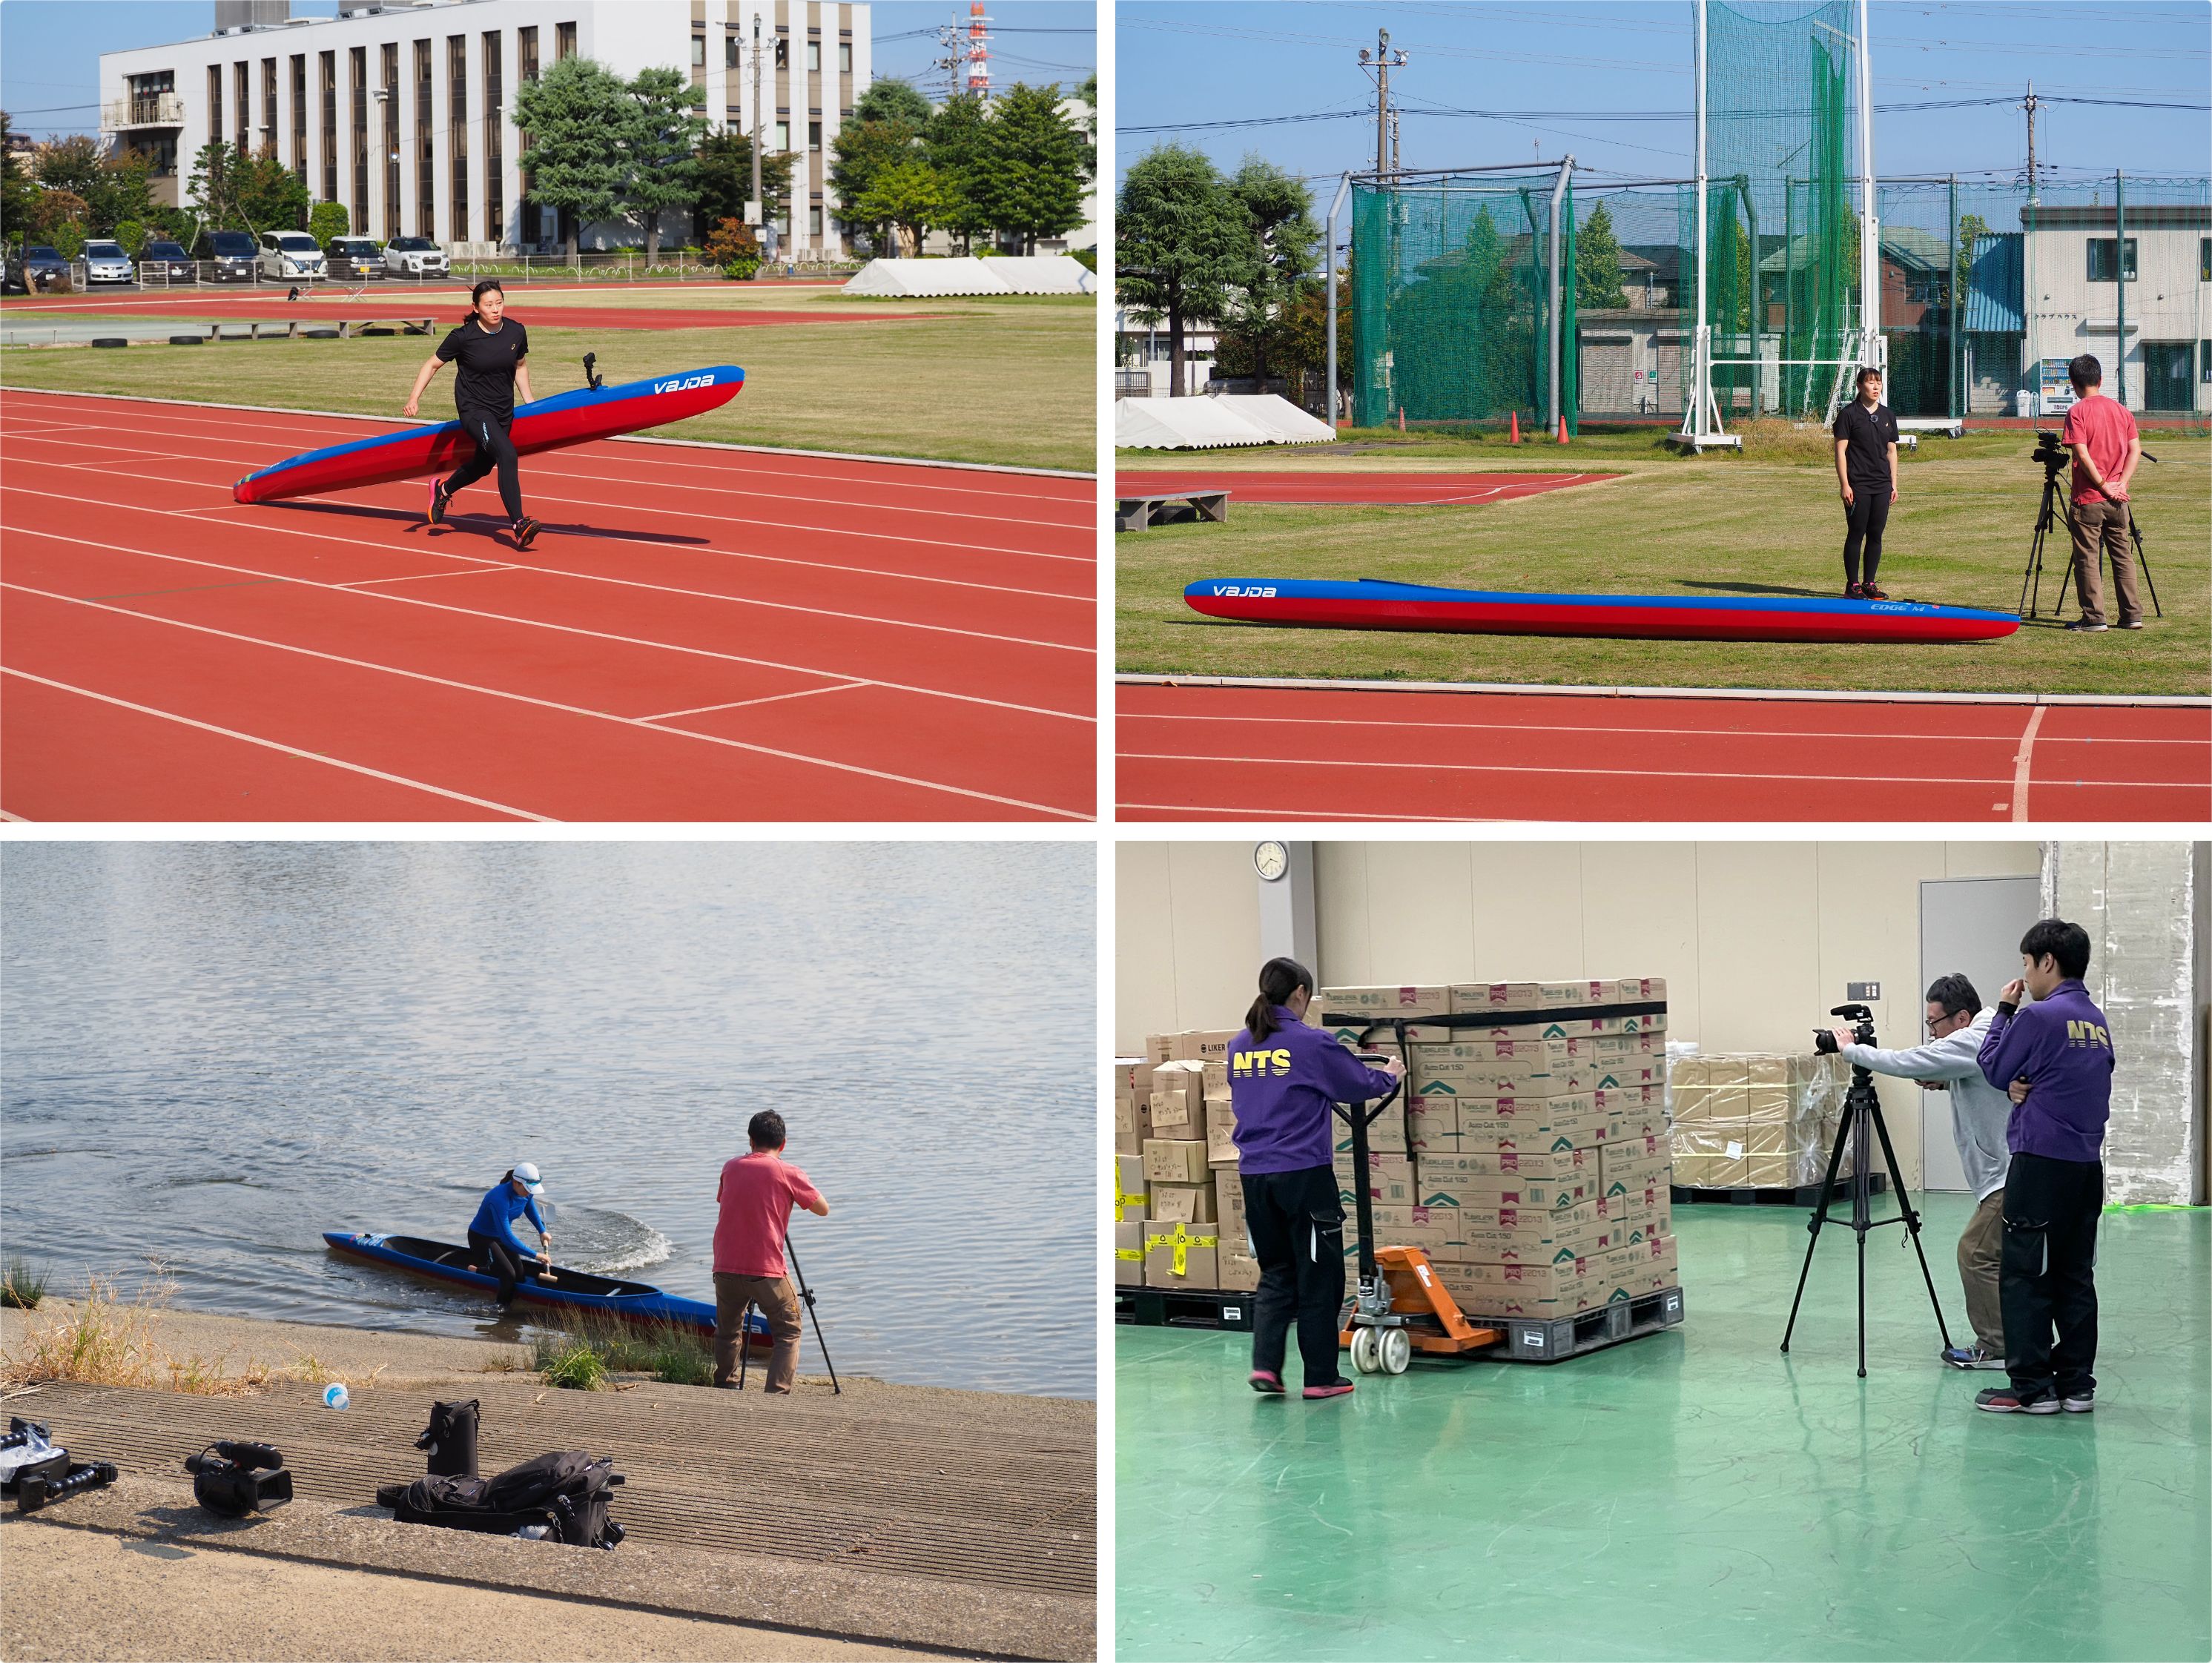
x: 357, y: 257
x: 288, y: 255
x: 231, y: 257
x: 105, y: 262
x: 163, y: 259
x: 414, y: 256
x: 34, y: 267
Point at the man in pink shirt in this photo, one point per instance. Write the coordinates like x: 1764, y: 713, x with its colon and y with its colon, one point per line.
x: 757, y: 1194
x: 2106, y: 450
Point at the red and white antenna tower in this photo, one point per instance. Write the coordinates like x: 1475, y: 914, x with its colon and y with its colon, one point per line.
x: 979, y: 50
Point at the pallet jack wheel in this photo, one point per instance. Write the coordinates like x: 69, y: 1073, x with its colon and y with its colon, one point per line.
x: 1363, y: 1357
x: 1397, y: 1351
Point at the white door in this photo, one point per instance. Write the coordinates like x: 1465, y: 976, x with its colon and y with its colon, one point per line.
x: 1972, y: 925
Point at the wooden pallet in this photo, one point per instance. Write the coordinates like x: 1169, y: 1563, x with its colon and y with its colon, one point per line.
x: 1184, y: 1307
x: 1801, y: 1195
x: 1554, y: 1340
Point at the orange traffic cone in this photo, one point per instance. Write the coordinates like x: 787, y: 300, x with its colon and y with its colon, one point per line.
x: 1401, y: 418
x: 1513, y: 434
x: 1563, y: 430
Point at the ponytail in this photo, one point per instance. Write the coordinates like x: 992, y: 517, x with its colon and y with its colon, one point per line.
x: 1279, y: 978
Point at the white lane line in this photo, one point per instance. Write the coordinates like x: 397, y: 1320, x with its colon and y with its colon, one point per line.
x: 417, y: 577
x: 268, y: 745
x: 1083, y: 647
x: 1303, y: 814
x: 739, y: 704
x: 2023, y: 763
x: 551, y: 704
x: 1478, y: 728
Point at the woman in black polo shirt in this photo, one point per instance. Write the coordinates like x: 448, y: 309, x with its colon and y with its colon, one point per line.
x: 1866, y: 478
x: 492, y: 351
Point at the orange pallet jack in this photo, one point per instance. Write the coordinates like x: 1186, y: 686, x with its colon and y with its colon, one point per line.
x: 1399, y: 1307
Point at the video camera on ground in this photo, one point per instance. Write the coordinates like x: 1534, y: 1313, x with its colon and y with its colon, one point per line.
x: 1862, y: 1021
x: 239, y: 1479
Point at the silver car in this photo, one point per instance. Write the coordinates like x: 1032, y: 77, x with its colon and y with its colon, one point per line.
x: 414, y: 256
x: 288, y: 254
x: 105, y: 262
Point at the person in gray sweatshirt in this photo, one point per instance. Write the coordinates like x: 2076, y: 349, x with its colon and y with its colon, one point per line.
x: 1951, y: 1062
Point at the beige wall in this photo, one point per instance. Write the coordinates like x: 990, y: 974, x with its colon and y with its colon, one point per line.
x: 1756, y: 940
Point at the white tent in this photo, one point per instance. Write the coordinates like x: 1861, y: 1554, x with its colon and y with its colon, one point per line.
x: 927, y: 277
x: 1198, y: 424
x: 1040, y: 274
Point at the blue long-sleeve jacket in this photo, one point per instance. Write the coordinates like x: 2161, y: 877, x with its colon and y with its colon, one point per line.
x: 497, y: 1212
x: 2063, y: 1047
x: 1282, y: 1088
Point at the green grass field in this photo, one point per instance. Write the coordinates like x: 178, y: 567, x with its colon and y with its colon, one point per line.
x: 1768, y: 522
x: 1012, y: 384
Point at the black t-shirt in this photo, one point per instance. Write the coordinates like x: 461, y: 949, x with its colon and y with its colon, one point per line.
x: 485, y: 379
x: 1869, y: 434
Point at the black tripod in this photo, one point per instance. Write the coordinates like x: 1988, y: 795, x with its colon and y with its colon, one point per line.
x: 2058, y: 506
x: 1862, y: 1122
x: 806, y: 1293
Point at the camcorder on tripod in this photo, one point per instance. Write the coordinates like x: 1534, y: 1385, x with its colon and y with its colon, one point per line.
x: 1859, y: 1125
x: 2059, y: 503
x: 234, y: 1479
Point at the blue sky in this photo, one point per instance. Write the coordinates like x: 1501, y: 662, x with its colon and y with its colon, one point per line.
x: 1544, y: 61
x: 50, y: 49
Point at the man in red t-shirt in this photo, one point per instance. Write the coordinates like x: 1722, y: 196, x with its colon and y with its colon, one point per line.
x: 757, y: 1194
x: 2106, y: 449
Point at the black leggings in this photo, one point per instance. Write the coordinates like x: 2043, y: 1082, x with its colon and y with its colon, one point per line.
x: 494, y: 450
x: 1297, y: 1223
x: 502, y: 1261
x: 1868, y: 513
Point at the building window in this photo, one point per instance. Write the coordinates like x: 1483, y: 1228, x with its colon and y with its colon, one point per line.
x: 2204, y: 260
x: 359, y: 224
x: 494, y: 123
x: 2101, y: 259
x: 526, y: 53
x: 241, y: 78
x: 782, y: 52
x: 390, y: 63
x: 782, y: 138
x: 214, y: 102
x: 698, y: 52
x: 2204, y: 361
x: 565, y: 41
x: 814, y: 57
x: 813, y: 135
x: 814, y: 221
x: 426, y: 222
x: 730, y: 50
x: 457, y: 131
x: 300, y: 117
x: 330, y: 67
x: 844, y: 57
x: 269, y: 105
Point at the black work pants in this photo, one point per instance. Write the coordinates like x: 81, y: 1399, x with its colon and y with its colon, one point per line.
x: 1297, y: 1223
x: 501, y: 1262
x: 2048, y: 1279
x: 1863, y: 521
x: 494, y: 450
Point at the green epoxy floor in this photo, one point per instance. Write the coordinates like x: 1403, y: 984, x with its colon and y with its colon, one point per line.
x: 1694, y: 1493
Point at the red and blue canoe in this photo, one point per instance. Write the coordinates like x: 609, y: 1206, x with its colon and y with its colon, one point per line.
x: 547, y: 424
x: 1369, y: 603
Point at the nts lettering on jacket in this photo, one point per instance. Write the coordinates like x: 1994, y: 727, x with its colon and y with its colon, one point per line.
x: 2087, y: 1034
x: 1246, y: 1063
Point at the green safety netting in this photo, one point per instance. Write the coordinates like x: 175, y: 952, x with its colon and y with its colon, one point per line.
x: 1452, y: 299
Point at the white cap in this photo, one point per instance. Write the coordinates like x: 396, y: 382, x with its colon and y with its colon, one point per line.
x: 528, y: 1174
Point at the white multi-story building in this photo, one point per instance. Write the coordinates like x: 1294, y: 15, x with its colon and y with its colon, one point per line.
x: 399, y: 108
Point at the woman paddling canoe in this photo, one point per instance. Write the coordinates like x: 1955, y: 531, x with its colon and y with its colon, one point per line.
x: 491, y: 1232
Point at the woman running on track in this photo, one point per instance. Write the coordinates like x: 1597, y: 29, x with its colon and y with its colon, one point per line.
x: 493, y: 352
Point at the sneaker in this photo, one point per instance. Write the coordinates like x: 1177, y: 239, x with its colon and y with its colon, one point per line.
x: 438, y: 500
x: 1266, y: 1384
x: 2130, y: 623
x: 2004, y: 1400
x: 2083, y: 626
x: 2079, y: 1403
x: 1971, y: 1356
x: 526, y: 532
x: 1341, y: 1388
x: 1854, y: 591
x: 1867, y: 592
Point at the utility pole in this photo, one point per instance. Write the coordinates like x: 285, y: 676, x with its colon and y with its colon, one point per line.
x: 757, y: 117
x: 1381, y: 61
x: 954, y: 58
x: 2030, y: 104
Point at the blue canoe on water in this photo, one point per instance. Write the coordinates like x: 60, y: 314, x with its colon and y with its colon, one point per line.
x: 568, y: 1290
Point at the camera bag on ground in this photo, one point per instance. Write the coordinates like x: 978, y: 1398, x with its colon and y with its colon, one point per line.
x: 451, y: 1440
x: 566, y: 1493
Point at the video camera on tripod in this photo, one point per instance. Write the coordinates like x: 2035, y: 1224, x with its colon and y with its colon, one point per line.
x: 238, y: 1479
x: 1862, y: 1021
x: 2057, y: 503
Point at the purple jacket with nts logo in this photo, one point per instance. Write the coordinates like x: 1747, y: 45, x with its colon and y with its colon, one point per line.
x: 1282, y: 1087
x: 2062, y: 1047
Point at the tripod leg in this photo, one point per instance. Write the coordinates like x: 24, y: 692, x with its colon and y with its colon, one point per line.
x: 745, y: 1342
x: 2142, y: 564
x: 1912, y: 1229
x: 1861, y: 1235
x: 807, y: 1297
x: 1820, y: 1216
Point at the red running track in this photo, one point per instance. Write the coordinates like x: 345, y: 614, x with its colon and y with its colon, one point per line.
x: 1321, y: 486
x: 699, y: 634
x: 273, y: 309
x: 1334, y: 753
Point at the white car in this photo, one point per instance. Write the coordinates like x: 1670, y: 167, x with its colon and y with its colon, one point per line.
x: 414, y: 256
x: 288, y: 255
x: 105, y: 262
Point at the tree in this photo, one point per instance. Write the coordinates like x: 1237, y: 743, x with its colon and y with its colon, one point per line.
x: 954, y: 141
x: 257, y: 193
x: 1277, y: 262
x: 132, y: 235
x: 1028, y: 178
x: 1597, y: 265
x: 662, y: 140
x: 910, y: 195
x: 114, y: 188
x: 732, y: 247
x: 326, y: 220
x: 1179, y: 238
x: 1972, y: 228
x: 578, y: 115
x: 18, y: 194
x: 1087, y: 95
x: 726, y: 178
x: 892, y: 100
x: 864, y: 149
x: 56, y: 213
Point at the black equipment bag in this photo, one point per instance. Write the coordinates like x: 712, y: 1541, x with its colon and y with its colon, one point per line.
x: 451, y: 1440
x: 567, y: 1492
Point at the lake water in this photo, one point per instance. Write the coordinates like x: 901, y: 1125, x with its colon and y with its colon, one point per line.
x: 211, y: 1053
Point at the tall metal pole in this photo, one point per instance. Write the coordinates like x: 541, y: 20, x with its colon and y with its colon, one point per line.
x: 1876, y: 351
x: 2030, y: 104
x: 756, y: 119
x: 1336, y: 207
x: 1701, y: 343
x: 1956, y: 403
x: 1382, y: 103
x: 2120, y: 288
x: 1559, y: 192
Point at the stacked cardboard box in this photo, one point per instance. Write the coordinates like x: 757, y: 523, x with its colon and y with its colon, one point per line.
x: 1179, y: 1204
x: 1497, y: 1168
x: 1756, y: 1120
